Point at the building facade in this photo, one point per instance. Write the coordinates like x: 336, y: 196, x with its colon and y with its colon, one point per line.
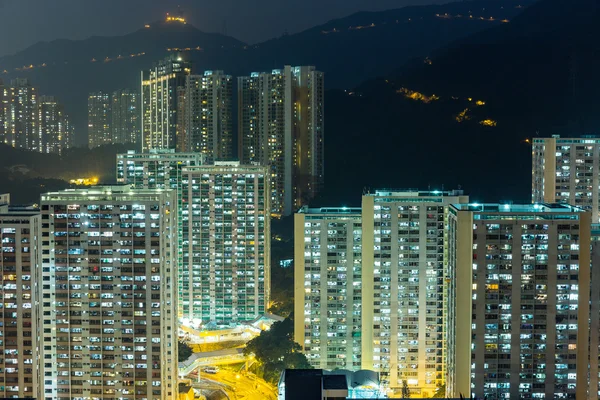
x: 594, y: 373
x: 404, y: 258
x: 109, y: 293
x: 20, y: 262
x: 328, y: 286
x: 4, y: 101
x: 566, y: 170
x: 54, y: 125
x: 205, y: 110
x: 519, y: 294
x: 160, y: 92
x: 374, y: 278
x: 99, y: 131
x: 281, y: 125
x: 22, y: 123
x: 125, y: 116
x: 156, y: 169
x: 225, y: 271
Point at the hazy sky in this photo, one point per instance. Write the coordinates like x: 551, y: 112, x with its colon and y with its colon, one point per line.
x: 25, y: 22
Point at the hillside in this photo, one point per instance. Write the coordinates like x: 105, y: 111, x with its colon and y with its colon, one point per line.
x: 464, y: 119
x: 539, y: 71
x: 349, y: 50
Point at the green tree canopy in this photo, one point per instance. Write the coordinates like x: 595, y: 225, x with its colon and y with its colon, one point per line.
x: 183, y: 351
x: 276, y: 350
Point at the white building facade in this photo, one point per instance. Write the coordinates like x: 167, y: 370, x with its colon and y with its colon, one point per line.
x: 109, y: 294
x: 328, y: 286
x: 225, y: 272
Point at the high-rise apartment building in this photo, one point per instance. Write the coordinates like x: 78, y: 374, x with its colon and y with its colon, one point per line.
x: 53, y: 125
x: 205, y: 112
x: 281, y: 125
x: 594, y: 373
x: 23, y: 131
x: 4, y: 101
x: 225, y: 273
x: 519, y: 294
x: 405, y: 256
x: 375, y: 277
x: 125, y: 116
x: 109, y: 294
x: 157, y: 169
x: 567, y: 170
x: 160, y: 91
x: 99, y: 132
x: 328, y: 286
x: 32, y: 122
x: 20, y: 262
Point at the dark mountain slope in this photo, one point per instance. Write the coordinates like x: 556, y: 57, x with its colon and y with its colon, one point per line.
x: 349, y: 50
x: 494, y: 90
x: 539, y: 70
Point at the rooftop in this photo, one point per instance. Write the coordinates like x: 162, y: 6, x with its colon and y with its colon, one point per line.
x: 330, y: 210
x: 415, y: 193
x: 545, y: 208
x: 592, y: 139
x: 105, y: 192
x: 335, y: 382
x: 158, y: 153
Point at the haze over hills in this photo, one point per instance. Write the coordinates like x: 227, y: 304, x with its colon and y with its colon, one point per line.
x: 364, y: 45
x: 472, y: 109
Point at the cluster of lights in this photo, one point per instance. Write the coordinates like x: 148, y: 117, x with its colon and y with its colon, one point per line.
x: 175, y: 19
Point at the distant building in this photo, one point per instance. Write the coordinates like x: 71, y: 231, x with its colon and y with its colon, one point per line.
x: 109, y: 293
x: 20, y: 262
x: 54, y: 125
x: 125, y: 116
x: 32, y: 122
x: 23, y: 131
x: 281, y: 124
x: 99, y: 131
x: 157, y: 169
x: 160, y: 91
x: 4, y: 112
x: 519, y: 301
x: 225, y: 275
x: 567, y: 170
x: 205, y: 112
x: 328, y: 286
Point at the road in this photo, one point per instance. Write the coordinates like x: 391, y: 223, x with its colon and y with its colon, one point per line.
x: 239, y: 386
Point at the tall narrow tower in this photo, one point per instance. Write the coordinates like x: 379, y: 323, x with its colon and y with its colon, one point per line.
x: 160, y: 89
x: 281, y: 125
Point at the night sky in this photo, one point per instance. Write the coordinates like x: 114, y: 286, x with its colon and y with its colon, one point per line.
x: 25, y: 22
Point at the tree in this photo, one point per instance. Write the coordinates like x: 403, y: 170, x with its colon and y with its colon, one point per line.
x: 405, y: 389
x: 282, y: 290
x: 184, y: 351
x: 275, y: 350
x: 282, y: 279
x: 440, y: 393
